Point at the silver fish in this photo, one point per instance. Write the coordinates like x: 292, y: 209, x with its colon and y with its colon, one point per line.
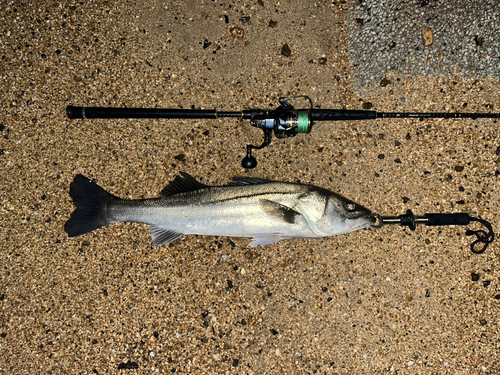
x: 265, y: 210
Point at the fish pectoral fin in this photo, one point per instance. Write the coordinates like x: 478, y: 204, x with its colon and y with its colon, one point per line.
x: 161, y: 236
x: 279, y: 211
x: 265, y: 240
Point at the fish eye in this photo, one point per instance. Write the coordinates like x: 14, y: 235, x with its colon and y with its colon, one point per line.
x: 350, y: 206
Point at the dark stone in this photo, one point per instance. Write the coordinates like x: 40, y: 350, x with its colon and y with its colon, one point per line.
x: 367, y: 105
x: 205, y: 313
x: 385, y: 82
x: 206, y: 44
x: 274, y: 332
x: 324, y: 289
x: 236, y: 362
x: 286, y: 51
x: 245, y: 19
x: 405, y: 199
x: 272, y: 23
x: 381, y: 156
x: 180, y: 157
x: 486, y: 283
x: 459, y: 168
x: 474, y: 276
x: 128, y: 366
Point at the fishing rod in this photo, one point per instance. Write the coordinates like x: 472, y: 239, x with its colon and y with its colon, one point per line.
x: 479, y: 246
x: 285, y: 121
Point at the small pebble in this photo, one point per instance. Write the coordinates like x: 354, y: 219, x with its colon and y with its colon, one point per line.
x: 427, y: 36
x: 474, y: 276
x: 237, y: 32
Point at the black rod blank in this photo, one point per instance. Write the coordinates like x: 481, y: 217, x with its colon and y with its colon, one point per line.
x: 316, y: 114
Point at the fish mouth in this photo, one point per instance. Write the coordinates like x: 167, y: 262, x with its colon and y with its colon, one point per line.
x: 363, y: 222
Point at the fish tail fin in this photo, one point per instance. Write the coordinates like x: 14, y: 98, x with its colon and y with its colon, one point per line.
x: 89, y: 199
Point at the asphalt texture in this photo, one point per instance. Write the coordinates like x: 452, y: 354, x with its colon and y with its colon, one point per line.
x: 386, y: 300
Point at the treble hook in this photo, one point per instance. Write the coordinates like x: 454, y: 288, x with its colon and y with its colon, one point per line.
x: 411, y: 222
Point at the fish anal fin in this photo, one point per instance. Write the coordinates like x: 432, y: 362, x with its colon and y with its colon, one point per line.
x: 265, y: 240
x: 182, y: 184
x: 161, y: 236
x: 279, y: 211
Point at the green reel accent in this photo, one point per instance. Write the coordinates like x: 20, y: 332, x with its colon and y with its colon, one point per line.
x: 303, y: 121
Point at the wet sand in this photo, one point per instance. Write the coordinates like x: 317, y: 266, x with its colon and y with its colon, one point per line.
x: 375, y: 301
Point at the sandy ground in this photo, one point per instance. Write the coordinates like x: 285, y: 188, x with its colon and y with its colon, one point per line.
x: 374, y: 301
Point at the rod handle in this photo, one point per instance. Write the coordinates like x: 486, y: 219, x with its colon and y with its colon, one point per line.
x: 447, y: 219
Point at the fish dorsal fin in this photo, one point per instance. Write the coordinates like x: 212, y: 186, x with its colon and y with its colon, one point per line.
x: 240, y: 181
x: 182, y: 184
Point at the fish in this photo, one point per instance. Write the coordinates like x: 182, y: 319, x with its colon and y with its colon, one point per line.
x: 266, y: 211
